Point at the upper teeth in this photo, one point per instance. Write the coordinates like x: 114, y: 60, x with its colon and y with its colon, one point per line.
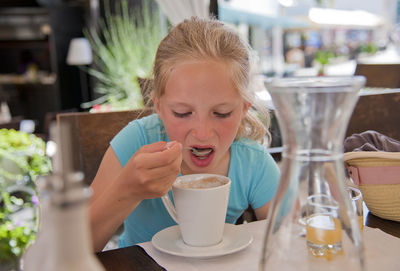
x: 201, y: 152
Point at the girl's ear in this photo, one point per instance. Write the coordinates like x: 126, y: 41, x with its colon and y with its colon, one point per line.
x: 156, y: 103
x: 246, y: 107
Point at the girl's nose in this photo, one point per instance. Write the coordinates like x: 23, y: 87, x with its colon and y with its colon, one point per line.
x: 202, y: 130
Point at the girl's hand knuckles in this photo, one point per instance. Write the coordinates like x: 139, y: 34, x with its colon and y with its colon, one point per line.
x: 135, y: 162
x: 177, y: 154
x: 142, y: 182
x: 177, y: 147
x: 173, y: 152
x: 165, y: 159
x: 144, y: 179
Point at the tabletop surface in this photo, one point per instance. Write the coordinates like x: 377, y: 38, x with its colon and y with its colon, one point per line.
x: 136, y: 258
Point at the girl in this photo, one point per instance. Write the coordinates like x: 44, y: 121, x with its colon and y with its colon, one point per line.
x: 203, y: 124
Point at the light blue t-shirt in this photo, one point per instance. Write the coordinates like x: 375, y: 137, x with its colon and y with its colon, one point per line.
x: 253, y: 172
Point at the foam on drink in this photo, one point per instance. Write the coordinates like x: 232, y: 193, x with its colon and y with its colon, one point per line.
x: 200, y: 183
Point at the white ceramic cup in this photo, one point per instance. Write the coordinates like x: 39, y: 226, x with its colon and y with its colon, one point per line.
x: 201, y: 202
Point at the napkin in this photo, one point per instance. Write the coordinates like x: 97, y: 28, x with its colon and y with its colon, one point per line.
x: 381, y: 251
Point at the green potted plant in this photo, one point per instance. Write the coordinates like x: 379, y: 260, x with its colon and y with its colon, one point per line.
x: 22, y: 160
x: 368, y: 49
x: 124, y: 48
x: 323, y: 57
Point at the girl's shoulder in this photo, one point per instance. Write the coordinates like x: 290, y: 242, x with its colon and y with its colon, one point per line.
x: 147, y: 122
x: 248, y: 145
x: 151, y: 127
x: 247, y: 151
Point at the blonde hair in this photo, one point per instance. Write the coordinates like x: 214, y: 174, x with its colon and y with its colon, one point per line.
x: 200, y: 39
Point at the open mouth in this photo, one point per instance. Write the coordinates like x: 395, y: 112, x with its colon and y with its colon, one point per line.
x: 201, y: 153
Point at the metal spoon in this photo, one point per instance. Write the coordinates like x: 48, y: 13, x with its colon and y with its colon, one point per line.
x: 198, y: 152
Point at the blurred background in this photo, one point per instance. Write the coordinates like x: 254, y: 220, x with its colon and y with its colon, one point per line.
x: 94, y: 55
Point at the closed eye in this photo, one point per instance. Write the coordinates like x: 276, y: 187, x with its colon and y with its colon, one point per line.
x: 222, y: 115
x: 181, y: 115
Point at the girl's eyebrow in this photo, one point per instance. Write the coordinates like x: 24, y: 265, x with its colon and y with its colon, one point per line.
x: 178, y: 103
x: 222, y: 104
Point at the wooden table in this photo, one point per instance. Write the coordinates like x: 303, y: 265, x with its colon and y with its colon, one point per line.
x: 135, y: 258
x: 388, y: 226
x: 128, y: 259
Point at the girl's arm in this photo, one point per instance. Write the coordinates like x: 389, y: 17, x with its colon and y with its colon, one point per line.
x: 118, y: 190
x: 262, y: 212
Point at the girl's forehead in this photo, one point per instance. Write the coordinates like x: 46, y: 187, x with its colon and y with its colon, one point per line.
x: 200, y: 70
x: 199, y: 76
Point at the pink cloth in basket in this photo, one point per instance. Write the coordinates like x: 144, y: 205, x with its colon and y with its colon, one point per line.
x: 373, y: 175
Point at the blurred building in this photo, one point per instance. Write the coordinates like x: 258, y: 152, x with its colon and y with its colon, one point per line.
x: 279, y: 29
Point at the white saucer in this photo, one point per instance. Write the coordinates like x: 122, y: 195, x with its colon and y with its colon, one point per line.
x: 170, y: 241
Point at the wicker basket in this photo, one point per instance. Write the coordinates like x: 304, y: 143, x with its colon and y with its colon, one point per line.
x: 377, y: 175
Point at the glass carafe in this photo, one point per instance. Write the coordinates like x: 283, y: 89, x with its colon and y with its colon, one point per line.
x: 311, y: 224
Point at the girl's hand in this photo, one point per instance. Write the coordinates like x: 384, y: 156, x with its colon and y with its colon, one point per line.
x: 152, y: 170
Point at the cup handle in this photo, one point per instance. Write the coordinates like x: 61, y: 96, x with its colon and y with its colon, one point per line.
x: 170, y: 207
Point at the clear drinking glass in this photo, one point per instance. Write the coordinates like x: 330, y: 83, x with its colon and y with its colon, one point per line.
x: 312, y: 224
x: 323, y: 227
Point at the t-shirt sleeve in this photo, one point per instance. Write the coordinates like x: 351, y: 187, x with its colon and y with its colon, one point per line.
x: 266, y: 181
x: 128, y: 141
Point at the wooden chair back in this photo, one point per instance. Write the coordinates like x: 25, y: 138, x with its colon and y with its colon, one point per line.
x: 91, y: 134
x: 380, y: 75
x: 380, y: 112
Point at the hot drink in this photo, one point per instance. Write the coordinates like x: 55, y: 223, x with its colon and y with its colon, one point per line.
x: 200, y: 183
